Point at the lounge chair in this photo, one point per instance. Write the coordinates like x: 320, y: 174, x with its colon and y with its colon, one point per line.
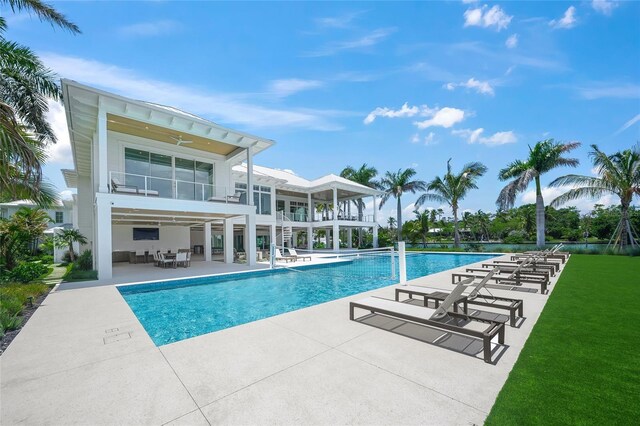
x: 116, y: 186
x: 287, y: 259
x: 295, y: 254
x: 471, y: 296
x: 438, y: 318
x: 517, y: 277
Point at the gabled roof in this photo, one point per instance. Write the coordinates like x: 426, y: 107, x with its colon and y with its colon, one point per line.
x: 286, y: 179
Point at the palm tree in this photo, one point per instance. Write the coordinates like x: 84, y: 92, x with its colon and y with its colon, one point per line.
x: 394, y: 184
x: 32, y: 223
x: 391, y: 222
x: 365, y: 175
x: 452, y: 188
x: 422, y: 225
x: 544, y: 156
x: 69, y: 236
x: 25, y: 86
x: 618, y: 174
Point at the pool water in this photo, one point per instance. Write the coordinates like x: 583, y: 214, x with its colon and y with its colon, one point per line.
x: 175, y: 310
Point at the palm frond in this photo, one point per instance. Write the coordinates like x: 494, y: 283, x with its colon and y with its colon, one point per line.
x: 44, y: 12
x: 577, y: 193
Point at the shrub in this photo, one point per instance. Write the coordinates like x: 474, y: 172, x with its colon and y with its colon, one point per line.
x: 8, y: 322
x: 12, y: 304
x: 574, y: 235
x: 46, y: 259
x: 27, y: 271
x: 66, y: 257
x: 515, y: 237
x: 474, y: 247
x: 84, y: 262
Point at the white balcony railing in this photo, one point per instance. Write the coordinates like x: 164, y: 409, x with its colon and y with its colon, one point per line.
x: 323, y: 216
x: 151, y: 186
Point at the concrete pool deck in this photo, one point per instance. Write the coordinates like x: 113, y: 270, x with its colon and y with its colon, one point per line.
x: 84, y: 358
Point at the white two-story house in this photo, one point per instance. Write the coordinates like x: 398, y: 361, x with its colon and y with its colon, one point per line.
x: 151, y: 177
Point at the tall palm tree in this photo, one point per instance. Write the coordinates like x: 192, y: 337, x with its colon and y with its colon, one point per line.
x: 452, y: 188
x: 394, y: 184
x: 618, y: 174
x: 544, y: 156
x: 391, y: 222
x: 25, y: 86
x: 69, y: 236
x: 365, y: 175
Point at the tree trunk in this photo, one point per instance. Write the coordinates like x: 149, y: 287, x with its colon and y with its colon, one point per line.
x: 456, y: 234
x: 624, y: 227
x: 71, y: 253
x: 399, y: 219
x: 540, y: 231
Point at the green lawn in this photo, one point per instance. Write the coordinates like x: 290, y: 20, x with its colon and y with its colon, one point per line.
x: 581, y: 364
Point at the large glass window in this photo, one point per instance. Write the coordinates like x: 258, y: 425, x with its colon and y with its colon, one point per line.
x: 194, y: 179
x: 262, y: 199
x: 298, y: 211
x: 59, y: 217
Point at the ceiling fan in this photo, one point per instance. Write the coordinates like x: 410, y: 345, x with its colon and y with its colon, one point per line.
x: 179, y: 140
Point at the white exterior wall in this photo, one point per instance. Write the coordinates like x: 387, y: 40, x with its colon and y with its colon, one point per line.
x: 171, y: 237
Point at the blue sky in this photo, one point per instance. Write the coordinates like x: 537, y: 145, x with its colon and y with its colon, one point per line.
x: 394, y: 85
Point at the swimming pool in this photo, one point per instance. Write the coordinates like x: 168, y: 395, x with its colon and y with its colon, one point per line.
x: 175, y: 310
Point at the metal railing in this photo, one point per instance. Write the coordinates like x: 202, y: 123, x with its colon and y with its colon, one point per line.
x: 323, y: 216
x: 151, y: 186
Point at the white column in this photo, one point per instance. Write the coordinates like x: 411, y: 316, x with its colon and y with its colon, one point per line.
x: 207, y: 241
x: 349, y: 238
x: 375, y: 235
x: 336, y: 236
x: 272, y: 234
x: 250, y: 239
x: 310, y: 209
x: 228, y: 241
x: 250, y: 175
x: 375, y: 221
x: 335, y: 204
x: 310, y: 238
x: 101, y: 166
x: 103, y: 241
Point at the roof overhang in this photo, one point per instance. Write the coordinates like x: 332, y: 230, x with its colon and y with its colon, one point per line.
x: 145, y: 119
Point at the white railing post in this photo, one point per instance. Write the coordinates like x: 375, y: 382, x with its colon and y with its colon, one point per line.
x: 145, y: 186
x: 393, y: 264
x: 402, y: 262
x: 272, y: 255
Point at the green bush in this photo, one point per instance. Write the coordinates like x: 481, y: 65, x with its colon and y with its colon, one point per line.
x: 46, y: 259
x: 474, y: 247
x: 84, y: 262
x: 12, y: 304
x: 515, y: 237
x: 27, y: 271
x: 574, y: 235
x: 8, y: 322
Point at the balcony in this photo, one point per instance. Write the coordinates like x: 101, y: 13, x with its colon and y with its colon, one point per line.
x: 324, y: 216
x: 151, y: 186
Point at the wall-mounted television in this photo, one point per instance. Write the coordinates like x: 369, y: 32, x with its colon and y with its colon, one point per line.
x: 146, y: 234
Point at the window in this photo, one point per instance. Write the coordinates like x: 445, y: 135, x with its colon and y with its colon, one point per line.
x: 194, y: 179
x: 59, y: 217
x: 279, y: 205
x: 262, y: 199
x: 4, y: 213
x: 242, y: 189
x: 298, y: 211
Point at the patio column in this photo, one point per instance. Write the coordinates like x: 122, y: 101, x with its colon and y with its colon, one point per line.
x: 375, y: 235
x: 250, y: 175
x: 101, y: 149
x: 310, y: 238
x: 103, y: 242
x: 349, y: 238
x: 375, y: 221
x: 310, y: 209
x: 336, y: 236
x: 250, y: 239
x: 228, y: 241
x: 335, y: 204
x: 207, y: 241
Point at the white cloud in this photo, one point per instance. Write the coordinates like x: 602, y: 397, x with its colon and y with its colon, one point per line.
x: 475, y: 136
x: 67, y: 194
x: 342, y: 21
x: 510, y: 70
x: 150, y: 29
x: 430, y: 139
x: 487, y: 17
x: 568, y: 20
x: 483, y: 87
x: 222, y: 107
x: 368, y: 40
x: 404, y: 111
x: 584, y: 204
x: 444, y: 117
x: 604, y: 6
x: 59, y: 153
x: 609, y: 90
x: 512, y: 41
x: 628, y: 124
x: 286, y: 87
